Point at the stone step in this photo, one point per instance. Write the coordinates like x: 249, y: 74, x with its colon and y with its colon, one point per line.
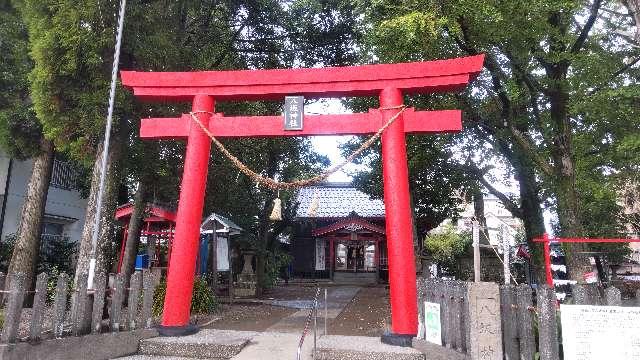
x: 153, y: 357
x: 334, y: 347
x: 354, y: 278
x: 207, y: 343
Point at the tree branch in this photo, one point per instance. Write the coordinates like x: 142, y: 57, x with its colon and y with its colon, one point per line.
x: 504, y: 199
x: 619, y: 72
x: 531, y: 150
x: 584, y: 33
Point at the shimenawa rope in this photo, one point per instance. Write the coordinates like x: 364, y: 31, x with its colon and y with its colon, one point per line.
x: 276, y: 185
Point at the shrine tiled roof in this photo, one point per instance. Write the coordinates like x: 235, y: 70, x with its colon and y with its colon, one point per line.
x: 337, y: 200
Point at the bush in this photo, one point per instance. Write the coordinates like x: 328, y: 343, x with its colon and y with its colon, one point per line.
x: 447, y: 247
x: 6, y: 250
x: 274, y: 262
x: 203, y: 300
x: 52, y: 283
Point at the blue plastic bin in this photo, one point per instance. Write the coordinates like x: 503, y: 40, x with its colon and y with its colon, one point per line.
x: 142, y: 261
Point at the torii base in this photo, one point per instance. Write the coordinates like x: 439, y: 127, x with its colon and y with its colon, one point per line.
x: 177, y: 330
x: 397, y: 339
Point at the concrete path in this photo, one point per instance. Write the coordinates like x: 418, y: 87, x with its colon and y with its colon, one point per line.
x: 280, y: 341
x: 275, y: 346
x: 337, y: 300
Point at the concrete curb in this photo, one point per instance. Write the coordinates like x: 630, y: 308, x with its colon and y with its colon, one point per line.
x: 208, y: 343
x: 95, y: 347
x: 333, y: 347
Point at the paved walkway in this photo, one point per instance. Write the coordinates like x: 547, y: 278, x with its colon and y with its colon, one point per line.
x: 280, y: 341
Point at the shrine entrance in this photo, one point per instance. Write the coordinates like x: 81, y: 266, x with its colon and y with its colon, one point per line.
x: 356, y: 248
x: 390, y: 123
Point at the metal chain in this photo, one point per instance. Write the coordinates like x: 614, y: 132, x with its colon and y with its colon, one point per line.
x: 277, y: 185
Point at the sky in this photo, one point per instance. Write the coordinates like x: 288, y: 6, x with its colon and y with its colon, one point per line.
x: 328, y: 145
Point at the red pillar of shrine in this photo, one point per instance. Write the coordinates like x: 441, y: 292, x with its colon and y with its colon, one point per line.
x: 402, y: 271
x: 182, y: 264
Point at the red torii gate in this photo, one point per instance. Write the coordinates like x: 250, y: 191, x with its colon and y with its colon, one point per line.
x: 387, y: 81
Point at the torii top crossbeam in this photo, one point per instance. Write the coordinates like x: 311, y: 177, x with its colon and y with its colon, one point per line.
x: 365, y: 80
x: 387, y: 81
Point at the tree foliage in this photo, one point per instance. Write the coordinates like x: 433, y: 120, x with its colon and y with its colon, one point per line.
x: 447, y: 247
x: 20, y: 132
x: 557, y: 98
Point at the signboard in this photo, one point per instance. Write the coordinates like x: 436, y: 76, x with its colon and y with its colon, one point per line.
x: 476, y: 233
x: 600, y: 332
x: 320, y: 258
x: 222, y: 251
x: 293, y: 112
x: 432, y: 329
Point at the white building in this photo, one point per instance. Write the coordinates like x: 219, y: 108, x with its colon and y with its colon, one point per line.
x: 500, y: 221
x: 64, y: 211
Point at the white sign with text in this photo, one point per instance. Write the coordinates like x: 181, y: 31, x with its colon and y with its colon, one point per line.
x: 600, y: 332
x: 432, y: 328
x: 320, y: 255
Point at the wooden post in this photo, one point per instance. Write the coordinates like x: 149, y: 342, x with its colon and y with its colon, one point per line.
x: 99, y: 287
x: 80, y: 305
x: 612, y: 296
x: 506, y: 250
x: 38, y: 307
x: 525, y: 324
x: 332, y: 257
x: 116, y: 303
x: 3, y: 278
x: 134, y: 298
x: 149, y: 283
x: 476, y: 251
x: 509, y: 322
x: 60, y: 304
x: 13, y: 310
x: 547, y: 326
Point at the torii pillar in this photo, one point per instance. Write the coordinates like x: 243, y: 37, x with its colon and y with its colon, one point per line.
x: 387, y: 81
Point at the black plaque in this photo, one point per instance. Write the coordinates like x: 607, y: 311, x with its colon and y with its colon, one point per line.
x: 293, y: 112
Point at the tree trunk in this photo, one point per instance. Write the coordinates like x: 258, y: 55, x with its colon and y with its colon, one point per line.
x: 478, y: 212
x: 532, y: 218
x: 568, y: 202
x: 108, y: 209
x: 26, y: 249
x: 133, y: 234
x: 261, y: 263
x: 634, y: 9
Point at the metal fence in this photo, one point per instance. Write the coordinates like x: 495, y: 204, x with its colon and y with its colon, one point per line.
x: 77, y: 310
x: 64, y: 175
x: 523, y: 313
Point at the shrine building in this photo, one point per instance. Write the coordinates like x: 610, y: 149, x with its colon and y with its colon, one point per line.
x: 339, y: 235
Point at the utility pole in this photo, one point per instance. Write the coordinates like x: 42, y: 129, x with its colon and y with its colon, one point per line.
x: 506, y: 251
x: 476, y: 250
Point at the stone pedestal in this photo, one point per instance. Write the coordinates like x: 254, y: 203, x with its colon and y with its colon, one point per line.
x: 247, y: 280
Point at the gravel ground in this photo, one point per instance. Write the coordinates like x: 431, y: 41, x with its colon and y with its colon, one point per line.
x: 289, y: 292
x: 247, y: 317
x: 368, y: 314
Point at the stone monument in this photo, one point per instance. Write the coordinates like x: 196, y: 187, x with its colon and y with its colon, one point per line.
x: 484, y: 321
x: 246, y: 285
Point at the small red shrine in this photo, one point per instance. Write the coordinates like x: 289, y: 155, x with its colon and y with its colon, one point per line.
x: 158, y: 224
